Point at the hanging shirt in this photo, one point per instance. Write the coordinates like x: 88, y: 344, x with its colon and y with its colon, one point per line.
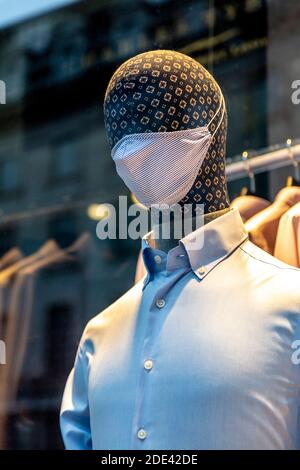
x: 287, y: 247
x: 28, y: 309
x: 262, y: 227
x: 12, y: 256
x: 7, y: 279
x: 8, y: 259
x: 196, y: 356
x: 35, y: 298
x: 8, y: 275
x: 249, y: 205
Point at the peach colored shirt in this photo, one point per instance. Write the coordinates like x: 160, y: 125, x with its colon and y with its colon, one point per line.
x: 248, y: 206
x: 10, y: 257
x: 262, y: 227
x: 287, y: 246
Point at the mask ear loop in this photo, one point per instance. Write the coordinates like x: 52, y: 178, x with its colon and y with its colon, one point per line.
x: 223, y: 112
x: 222, y: 103
x: 217, y: 112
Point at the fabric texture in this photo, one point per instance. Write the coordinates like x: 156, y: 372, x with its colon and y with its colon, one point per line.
x: 287, y: 246
x: 166, y: 91
x: 262, y: 227
x: 172, y: 365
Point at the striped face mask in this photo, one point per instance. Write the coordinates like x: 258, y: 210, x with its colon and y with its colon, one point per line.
x: 161, y: 167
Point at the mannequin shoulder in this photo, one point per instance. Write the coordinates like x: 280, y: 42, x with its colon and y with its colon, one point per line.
x: 271, y: 286
x: 283, y: 279
x: 262, y: 257
x: 118, y: 312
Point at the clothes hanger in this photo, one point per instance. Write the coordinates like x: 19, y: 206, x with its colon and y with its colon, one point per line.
x: 251, y: 190
x: 292, y: 180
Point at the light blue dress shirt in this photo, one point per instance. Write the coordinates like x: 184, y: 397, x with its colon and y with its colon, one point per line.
x: 198, y: 355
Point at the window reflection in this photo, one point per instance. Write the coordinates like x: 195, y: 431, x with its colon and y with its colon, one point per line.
x: 55, y: 165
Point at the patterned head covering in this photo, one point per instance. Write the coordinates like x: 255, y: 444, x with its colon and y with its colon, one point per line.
x: 165, y: 91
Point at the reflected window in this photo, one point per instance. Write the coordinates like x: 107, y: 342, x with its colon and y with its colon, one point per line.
x: 59, y: 321
x: 9, y: 176
x: 63, y: 228
x: 65, y: 163
x: 8, y: 238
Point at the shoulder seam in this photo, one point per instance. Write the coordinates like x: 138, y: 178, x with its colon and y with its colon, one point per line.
x: 283, y: 268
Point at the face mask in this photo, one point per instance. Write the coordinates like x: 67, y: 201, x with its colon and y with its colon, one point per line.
x: 161, y: 167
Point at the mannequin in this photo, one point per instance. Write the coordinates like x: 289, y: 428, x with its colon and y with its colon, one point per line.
x: 197, y: 355
x: 166, y: 91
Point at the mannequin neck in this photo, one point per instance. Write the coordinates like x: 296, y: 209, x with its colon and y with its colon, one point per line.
x: 166, y: 244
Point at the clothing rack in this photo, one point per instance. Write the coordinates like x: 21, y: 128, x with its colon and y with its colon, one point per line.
x: 45, y: 211
x: 273, y: 160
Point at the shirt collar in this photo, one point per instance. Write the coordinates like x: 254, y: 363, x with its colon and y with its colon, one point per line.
x: 205, y: 247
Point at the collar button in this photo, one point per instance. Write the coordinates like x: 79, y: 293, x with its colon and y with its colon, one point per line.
x: 201, y: 270
x: 157, y: 259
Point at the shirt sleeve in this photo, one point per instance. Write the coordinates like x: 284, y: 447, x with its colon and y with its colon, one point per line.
x: 75, y: 415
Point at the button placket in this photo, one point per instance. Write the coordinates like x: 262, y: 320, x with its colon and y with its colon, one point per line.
x: 146, y: 370
x: 148, y: 361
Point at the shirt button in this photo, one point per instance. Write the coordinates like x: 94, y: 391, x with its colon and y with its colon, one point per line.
x: 201, y: 270
x: 148, y: 364
x: 160, y: 303
x: 157, y: 259
x: 142, y: 434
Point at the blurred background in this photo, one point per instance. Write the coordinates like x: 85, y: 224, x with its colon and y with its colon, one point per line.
x: 56, y: 174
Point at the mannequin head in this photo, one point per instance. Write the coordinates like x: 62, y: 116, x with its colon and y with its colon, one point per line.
x: 166, y: 91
